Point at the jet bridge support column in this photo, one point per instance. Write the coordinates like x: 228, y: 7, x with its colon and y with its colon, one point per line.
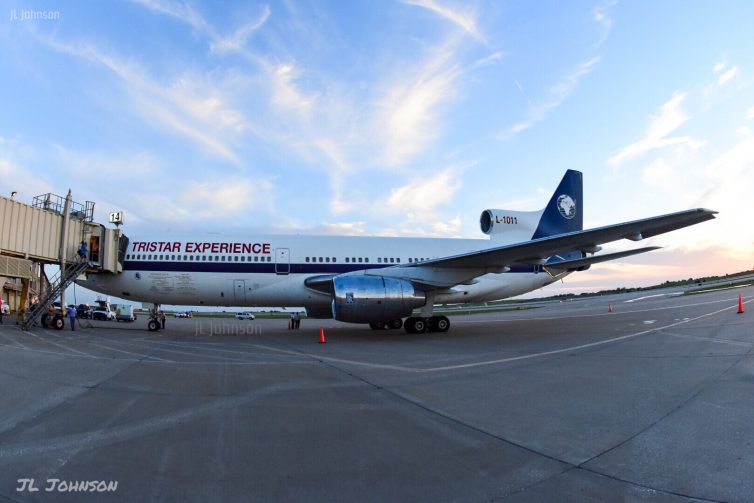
x: 63, y: 241
x: 24, y: 295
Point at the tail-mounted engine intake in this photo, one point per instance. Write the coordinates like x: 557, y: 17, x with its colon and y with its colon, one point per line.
x: 511, y: 226
x: 367, y: 299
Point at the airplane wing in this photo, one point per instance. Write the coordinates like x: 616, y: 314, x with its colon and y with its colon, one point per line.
x: 450, y: 271
x: 537, y: 250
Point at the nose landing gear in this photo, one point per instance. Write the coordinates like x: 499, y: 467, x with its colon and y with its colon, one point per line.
x: 156, y: 319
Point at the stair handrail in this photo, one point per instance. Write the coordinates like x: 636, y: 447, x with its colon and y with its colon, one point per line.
x: 52, y: 291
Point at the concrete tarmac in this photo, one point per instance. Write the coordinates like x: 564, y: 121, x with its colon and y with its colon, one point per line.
x: 565, y: 402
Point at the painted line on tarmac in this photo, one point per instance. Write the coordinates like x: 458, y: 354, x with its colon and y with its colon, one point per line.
x: 510, y: 359
x: 201, y: 347
x: 61, y: 346
x: 574, y: 348
x: 154, y: 358
x: 614, y: 313
x: 163, y: 348
x: 710, y: 339
x: 646, y: 297
x: 339, y: 360
x: 13, y: 341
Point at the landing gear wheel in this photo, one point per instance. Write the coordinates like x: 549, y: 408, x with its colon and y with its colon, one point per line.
x: 415, y: 325
x: 440, y: 324
x: 377, y: 325
x: 153, y: 326
x: 395, y: 324
x: 58, y: 323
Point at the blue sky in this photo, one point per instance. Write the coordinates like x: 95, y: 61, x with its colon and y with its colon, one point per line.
x: 388, y: 117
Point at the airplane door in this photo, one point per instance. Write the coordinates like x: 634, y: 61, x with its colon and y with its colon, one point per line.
x: 282, y: 261
x: 239, y: 291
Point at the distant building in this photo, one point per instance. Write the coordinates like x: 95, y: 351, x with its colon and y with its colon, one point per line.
x: 11, y: 290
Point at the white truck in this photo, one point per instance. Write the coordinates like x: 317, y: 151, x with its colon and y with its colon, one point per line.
x: 124, y: 312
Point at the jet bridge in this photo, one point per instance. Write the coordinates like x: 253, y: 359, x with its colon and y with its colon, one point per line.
x: 50, y: 231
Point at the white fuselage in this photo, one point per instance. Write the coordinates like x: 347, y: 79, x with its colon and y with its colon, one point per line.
x: 270, y: 270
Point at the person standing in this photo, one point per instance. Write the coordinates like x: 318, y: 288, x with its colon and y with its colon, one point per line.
x: 296, y: 320
x: 82, y: 251
x: 162, y: 319
x: 72, y: 315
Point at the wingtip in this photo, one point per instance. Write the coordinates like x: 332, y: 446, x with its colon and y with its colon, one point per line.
x: 707, y: 211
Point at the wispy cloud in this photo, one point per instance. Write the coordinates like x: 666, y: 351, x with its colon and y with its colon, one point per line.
x: 285, y: 93
x: 725, y: 74
x: 602, y: 18
x: 670, y: 117
x: 419, y: 203
x: 223, y: 198
x: 728, y: 76
x: 409, y: 115
x: 466, y: 20
x: 199, y: 112
x: 7, y: 168
x: 342, y: 228
x: 239, y: 39
x: 396, y: 119
x: 181, y: 11
x: 15, y: 177
x: 556, y: 96
x: 424, y: 194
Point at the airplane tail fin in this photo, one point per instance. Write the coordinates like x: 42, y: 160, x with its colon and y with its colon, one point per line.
x: 564, y: 213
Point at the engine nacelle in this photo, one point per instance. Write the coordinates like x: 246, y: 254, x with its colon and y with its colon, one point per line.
x: 510, y: 226
x: 368, y: 299
x: 319, y: 313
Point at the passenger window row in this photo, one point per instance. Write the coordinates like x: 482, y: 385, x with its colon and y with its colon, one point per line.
x: 386, y: 260
x: 199, y: 258
x: 257, y: 258
x: 322, y: 260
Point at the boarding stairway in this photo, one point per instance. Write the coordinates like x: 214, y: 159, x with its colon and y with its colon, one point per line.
x: 56, y: 285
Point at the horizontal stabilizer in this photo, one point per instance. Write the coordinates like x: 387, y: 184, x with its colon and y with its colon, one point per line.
x: 572, y: 265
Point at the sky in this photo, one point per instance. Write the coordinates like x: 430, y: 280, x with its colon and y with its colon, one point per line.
x: 403, y: 118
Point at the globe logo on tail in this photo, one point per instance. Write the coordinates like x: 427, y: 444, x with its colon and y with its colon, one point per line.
x: 567, y: 206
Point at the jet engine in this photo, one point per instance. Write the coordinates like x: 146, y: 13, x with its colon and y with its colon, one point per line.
x: 509, y: 226
x: 368, y: 299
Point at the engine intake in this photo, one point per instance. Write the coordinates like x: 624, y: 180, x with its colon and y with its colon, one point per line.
x: 367, y: 299
x: 509, y: 226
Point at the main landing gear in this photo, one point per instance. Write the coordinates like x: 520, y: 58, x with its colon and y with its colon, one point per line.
x: 419, y: 325
x: 415, y: 324
x: 392, y: 325
x: 426, y: 322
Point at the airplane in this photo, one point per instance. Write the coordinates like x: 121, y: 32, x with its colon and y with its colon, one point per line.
x: 381, y: 280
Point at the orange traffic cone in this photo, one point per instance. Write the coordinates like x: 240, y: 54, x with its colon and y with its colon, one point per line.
x: 740, y: 304
x: 322, y: 335
x: 610, y: 308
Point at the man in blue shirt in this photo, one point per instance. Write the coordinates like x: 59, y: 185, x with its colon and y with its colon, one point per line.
x: 72, y: 315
